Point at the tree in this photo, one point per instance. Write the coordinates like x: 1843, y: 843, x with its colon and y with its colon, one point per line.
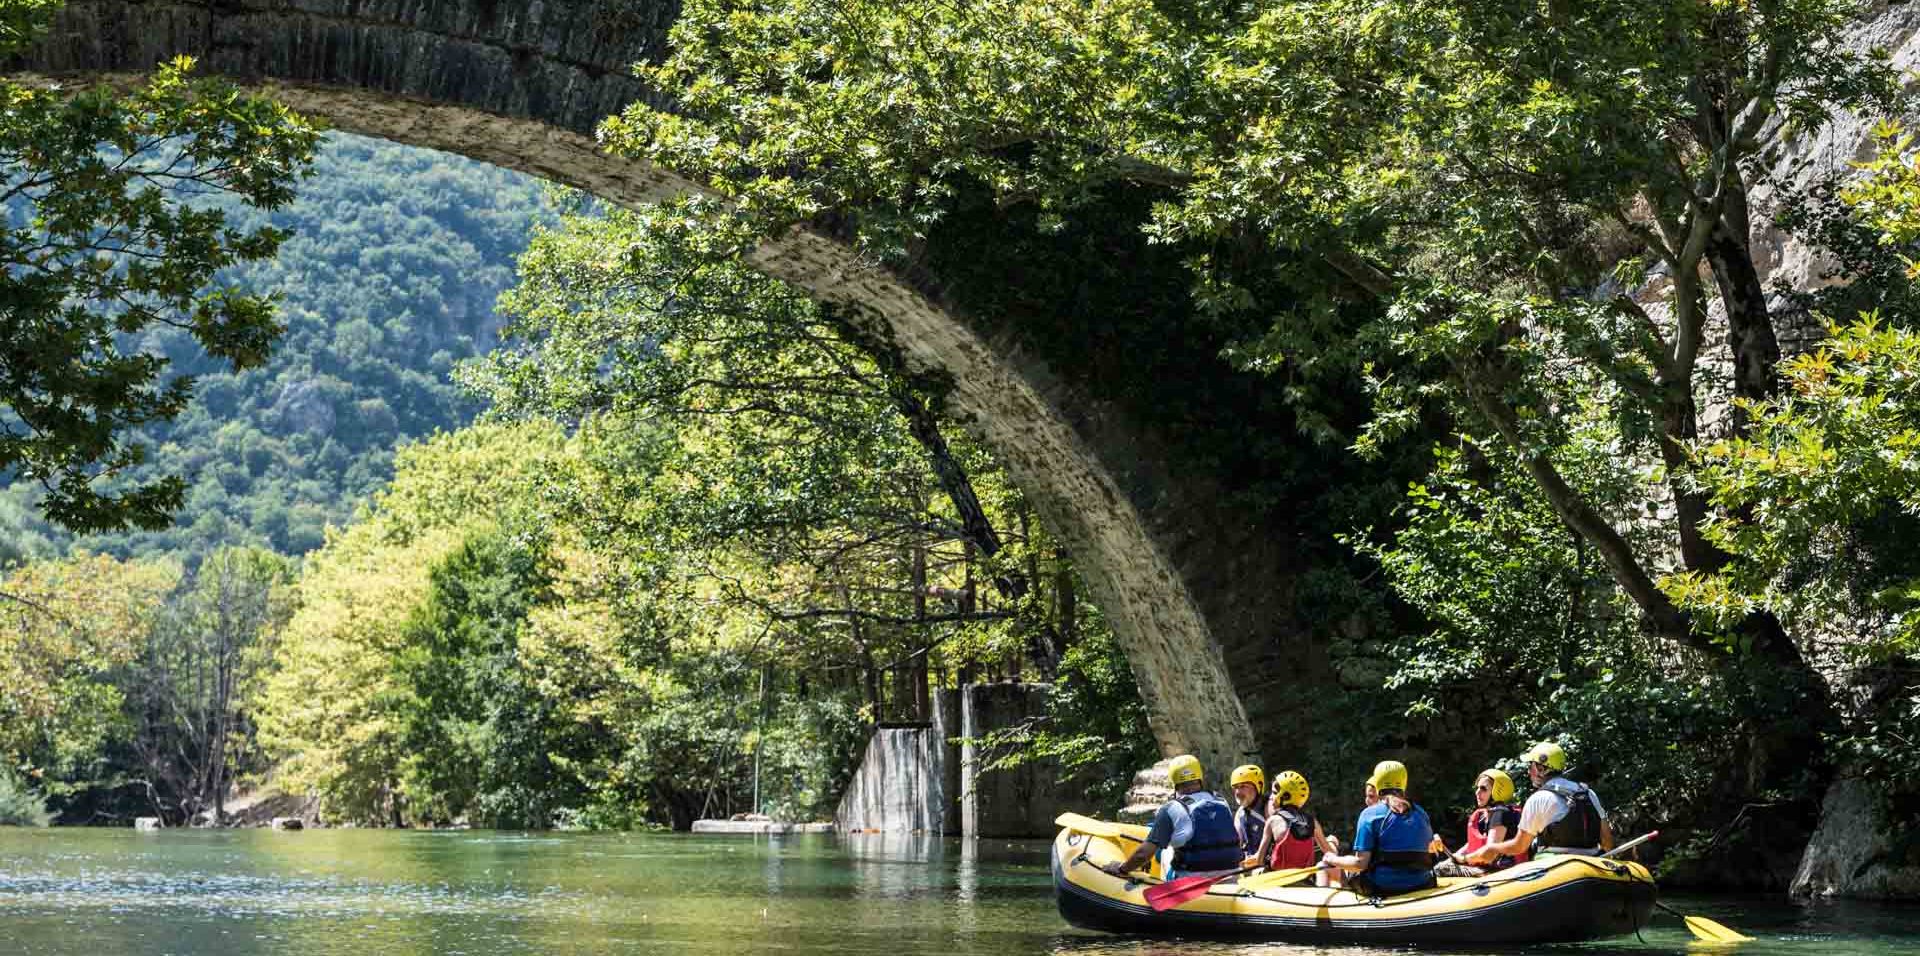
x: 763, y: 430
x: 339, y: 706
x: 1497, y: 215
x: 103, y: 245
x: 67, y: 625
x: 198, y: 681
x: 1817, y: 505
x: 484, y: 744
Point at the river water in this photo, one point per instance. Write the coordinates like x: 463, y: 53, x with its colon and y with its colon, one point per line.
x: 96, y: 892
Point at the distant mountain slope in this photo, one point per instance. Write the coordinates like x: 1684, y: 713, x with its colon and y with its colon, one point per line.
x: 390, y: 276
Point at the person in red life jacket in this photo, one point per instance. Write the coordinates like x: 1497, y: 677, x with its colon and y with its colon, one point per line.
x: 1196, y: 825
x: 1560, y: 817
x: 1293, y: 834
x: 1248, y: 819
x: 1494, y: 819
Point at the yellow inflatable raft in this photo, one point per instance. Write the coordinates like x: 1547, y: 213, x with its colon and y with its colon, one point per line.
x: 1555, y: 898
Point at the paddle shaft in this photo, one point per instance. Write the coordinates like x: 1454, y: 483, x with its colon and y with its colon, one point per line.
x: 1630, y: 844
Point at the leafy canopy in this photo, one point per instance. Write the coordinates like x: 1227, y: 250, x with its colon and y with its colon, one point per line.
x: 105, y: 242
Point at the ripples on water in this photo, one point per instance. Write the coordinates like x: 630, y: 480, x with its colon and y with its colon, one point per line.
x: 71, y: 892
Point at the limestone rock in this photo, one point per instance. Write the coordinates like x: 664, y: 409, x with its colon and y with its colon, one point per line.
x: 305, y: 407
x: 1151, y: 789
x: 1857, y: 851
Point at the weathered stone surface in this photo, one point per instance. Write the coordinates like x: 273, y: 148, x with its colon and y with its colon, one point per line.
x: 1858, y: 851
x: 1014, y: 802
x: 1151, y: 789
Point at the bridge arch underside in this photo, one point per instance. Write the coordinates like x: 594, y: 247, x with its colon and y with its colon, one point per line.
x: 1201, y: 595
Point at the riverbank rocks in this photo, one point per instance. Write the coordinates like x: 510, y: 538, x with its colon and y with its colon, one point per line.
x: 1860, y: 850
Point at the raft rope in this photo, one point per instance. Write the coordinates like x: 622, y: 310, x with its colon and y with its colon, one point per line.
x: 1596, y: 862
x: 1606, y: 866
x: 1614, y: 869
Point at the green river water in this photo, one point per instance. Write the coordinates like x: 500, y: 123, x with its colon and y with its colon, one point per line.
x: 95, y: 892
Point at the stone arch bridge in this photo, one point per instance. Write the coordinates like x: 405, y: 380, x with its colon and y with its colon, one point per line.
x: 1203, y: 595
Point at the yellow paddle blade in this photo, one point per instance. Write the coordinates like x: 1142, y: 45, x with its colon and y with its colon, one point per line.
x: 1267, y: 881
x: 1713, y: 932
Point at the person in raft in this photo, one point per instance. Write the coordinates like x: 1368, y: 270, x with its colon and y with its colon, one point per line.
x: 1494, y: 819
x: 1560, y: 817
x: 1292, y: 832
x: 1248, y: 820
x: 1391, y: 840
x: 1196, y: 825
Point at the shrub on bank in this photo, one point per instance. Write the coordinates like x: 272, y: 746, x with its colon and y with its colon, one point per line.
x: 20, y: 806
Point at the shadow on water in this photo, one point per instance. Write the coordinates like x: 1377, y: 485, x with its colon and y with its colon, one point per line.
x: 69, y: 892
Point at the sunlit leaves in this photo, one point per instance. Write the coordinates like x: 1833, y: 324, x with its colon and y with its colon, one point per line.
x: 64, y: 626
x: 1839, y: 451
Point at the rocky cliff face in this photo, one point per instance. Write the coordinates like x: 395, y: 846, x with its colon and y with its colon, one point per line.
x: 1862, y: 847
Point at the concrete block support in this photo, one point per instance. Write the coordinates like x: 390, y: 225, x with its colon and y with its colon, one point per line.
x: 909, y: 779
x: 917, y: 780
x: 1016, y: 802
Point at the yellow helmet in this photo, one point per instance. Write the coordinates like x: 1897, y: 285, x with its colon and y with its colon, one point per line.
x: 1502, y: 788
x: 1291, y: 788
x: 1547, y: 753
x: 1184, y: 769
x: 1248, y: 773
x: 1389, y: 775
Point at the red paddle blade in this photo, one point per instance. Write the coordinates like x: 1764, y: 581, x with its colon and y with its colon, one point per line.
x: 1166, y: 896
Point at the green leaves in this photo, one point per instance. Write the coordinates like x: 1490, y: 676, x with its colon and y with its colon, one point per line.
x: 1835, y: 457
x: 116, y: 243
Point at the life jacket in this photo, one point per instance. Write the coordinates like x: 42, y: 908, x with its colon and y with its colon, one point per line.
x: 1215, y: 844
x: 1252, y: 828
x: 1293, y: 842
x: 1579, y: 828
x: 1480, y: 829
x: 1405, y: 851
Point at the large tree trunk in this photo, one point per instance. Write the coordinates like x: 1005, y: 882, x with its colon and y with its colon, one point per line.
x: 1750, y: 333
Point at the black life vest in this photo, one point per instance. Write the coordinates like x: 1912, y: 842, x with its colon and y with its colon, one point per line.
x: 1579, y: 828
x: 1215, y: 844
x: 1480, y: 832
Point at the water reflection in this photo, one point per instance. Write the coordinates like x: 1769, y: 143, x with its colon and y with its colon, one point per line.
x: 69, y: 892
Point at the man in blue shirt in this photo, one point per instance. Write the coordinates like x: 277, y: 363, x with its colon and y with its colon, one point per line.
x: 1390, y: 842
x: 1195, y: 824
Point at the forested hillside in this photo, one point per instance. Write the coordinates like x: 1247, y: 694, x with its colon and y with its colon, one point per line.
x: 388, y: 279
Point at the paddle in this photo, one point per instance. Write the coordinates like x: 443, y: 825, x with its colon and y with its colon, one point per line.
x: 1172, y: 893
x: 1630, y: 844
x: 1166, y: 896
x: 1707, y: 930
x: 1092, y: 827
x: 1701, y: 927
x: 1273, y: 878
